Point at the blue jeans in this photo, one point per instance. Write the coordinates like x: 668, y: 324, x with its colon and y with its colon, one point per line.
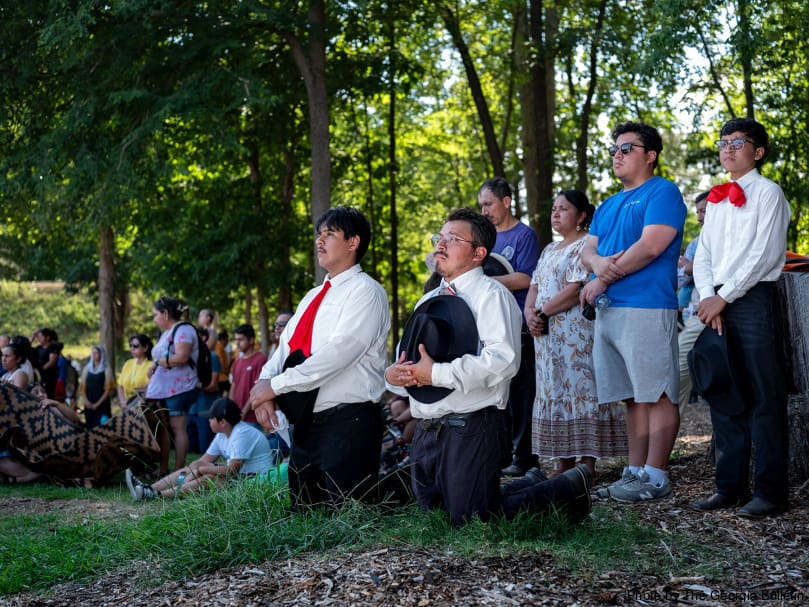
x: 753, y: 329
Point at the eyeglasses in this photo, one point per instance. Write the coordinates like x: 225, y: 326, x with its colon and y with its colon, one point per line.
x: 280, y: 325
x: 134, y: 345
x: 449, y: 239
x: 735, y: 144
x: 625, y: 148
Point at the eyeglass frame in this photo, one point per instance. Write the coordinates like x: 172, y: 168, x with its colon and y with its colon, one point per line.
x: 450, y: 239
x: 280, y: 324
x: 137, y: 345
x: 722, y: 144
x: 613, y: 149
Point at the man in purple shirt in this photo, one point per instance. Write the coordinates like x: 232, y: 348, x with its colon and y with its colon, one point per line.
x: 518, y: 243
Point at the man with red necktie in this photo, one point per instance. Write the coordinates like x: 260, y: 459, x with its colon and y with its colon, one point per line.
x: 739, y: 258
x: 332, y: 355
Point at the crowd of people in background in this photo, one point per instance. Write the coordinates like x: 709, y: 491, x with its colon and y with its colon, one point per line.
x: 577, y: 352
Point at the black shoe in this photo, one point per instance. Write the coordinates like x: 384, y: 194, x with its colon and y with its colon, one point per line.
x: 716, y: 502
x: 758, y: 507
x: 581, y: 478
x: 536, y: 474
x: 513, y: 470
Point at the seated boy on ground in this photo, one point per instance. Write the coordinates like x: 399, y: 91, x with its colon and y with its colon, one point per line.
x: 245, y: 450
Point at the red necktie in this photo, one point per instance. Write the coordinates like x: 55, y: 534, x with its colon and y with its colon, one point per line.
x: 302, y: 337
x: 731, y: 190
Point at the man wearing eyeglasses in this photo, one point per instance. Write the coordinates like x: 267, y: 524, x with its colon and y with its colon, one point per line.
x: 633, y: 250
x: 518, y: 243
x: 461, y: 433
x: 739, y: 259
x: 280, y: 324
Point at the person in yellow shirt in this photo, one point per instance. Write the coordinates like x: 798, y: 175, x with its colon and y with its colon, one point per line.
x: 134, y: 374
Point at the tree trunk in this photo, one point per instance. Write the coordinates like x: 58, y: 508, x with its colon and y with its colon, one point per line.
x: 587, y: 108
x: 745, y: 56
x: 393, y: 172
x: 312, y: 65
x: 794, y: 290
x: 261, y: 261
x: 475, y: 89
x: 106, y: 292
x: 537, y: 106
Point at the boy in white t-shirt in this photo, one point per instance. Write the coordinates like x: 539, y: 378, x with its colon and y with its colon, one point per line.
x: 245, y: 450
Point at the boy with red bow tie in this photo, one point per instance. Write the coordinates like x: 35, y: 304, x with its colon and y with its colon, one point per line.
x: 739, y: 259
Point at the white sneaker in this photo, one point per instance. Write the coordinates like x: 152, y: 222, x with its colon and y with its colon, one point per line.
x: 134, y: 485
x: 627, y: 476
x: 639, y: 490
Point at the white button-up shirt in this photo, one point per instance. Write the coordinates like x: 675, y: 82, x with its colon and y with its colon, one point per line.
x: 349, y: 340
x: 479, y: 380
x: 742, y: 246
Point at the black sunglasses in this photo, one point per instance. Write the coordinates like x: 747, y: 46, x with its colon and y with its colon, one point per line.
x: 625, y: 148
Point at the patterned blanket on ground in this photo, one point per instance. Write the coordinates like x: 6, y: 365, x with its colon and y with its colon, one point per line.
x: 46, y: 442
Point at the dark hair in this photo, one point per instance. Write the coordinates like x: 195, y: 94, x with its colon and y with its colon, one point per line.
x: 18, y: 350
x: 247, y: 330
x: 701, y: 196
x: 498, y: 186
x: 145, y: 341
x: 579, y: 200
x: 25, y: 347
x: 50, y: 334
x: 351, y: 222
x: 483, y: 231
x: 648, y: 135
x: 175, y: 306
x: 752, y: 129
x: 233, y: 415
x: 223, y: 334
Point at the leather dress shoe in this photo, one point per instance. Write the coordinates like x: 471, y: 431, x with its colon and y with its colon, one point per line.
x: 532, y: 476
x: 514, y: 469
x: 581, y: 478
x: 536, y: 474
x: 758, y: 507
x: 716, y: 502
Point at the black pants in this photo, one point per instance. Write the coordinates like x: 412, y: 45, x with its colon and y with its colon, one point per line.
x: 754, y: 334
x: 456, y: 463
x: 521, y: 393
x: 338, y: 456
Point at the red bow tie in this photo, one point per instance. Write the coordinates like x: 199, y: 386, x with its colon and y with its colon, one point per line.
x: 731, y: 190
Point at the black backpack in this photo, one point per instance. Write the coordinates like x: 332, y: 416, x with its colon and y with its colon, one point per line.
x: 203, y: 364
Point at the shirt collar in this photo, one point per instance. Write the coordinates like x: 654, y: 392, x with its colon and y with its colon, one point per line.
x: 344, y: 275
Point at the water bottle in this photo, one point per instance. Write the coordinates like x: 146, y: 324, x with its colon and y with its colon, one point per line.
x: 104, y: 419
x: 180, y: 481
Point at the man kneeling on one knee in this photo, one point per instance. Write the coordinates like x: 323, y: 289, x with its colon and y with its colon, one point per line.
x: 244, y: 449
x: 459, y: 350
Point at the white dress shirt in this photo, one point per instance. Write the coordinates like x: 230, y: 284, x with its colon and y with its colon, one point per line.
x: 742, y: 246
x: 349, y: 339
x: 479, y: 380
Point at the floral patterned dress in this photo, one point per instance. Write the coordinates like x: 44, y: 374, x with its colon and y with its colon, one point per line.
x: 567, y: 419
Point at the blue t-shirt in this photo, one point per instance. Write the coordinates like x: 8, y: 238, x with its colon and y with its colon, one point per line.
x: 619, y: 222
x: 520, y: 246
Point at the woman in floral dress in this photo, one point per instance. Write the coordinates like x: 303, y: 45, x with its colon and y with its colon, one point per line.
x: 568, y: 422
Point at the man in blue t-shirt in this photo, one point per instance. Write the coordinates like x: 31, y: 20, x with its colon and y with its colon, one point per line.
x: 633, y: 250
x: 518, y: 243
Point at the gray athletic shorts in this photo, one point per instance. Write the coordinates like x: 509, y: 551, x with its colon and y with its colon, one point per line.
x: 635, y: 355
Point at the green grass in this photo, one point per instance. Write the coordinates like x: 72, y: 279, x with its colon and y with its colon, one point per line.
x: 251, y: 523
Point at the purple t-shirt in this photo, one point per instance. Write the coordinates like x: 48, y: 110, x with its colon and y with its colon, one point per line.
x: 182, y: 378
x: 520, y: 246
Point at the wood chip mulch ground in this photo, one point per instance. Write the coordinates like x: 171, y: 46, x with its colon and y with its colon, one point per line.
x: 773, y: 568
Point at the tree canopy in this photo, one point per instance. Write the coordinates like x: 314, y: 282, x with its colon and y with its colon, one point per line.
x: 185, y: 147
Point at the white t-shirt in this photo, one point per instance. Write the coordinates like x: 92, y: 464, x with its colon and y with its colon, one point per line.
x: 244, y: 443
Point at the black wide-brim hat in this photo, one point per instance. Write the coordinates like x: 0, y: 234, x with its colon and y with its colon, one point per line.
x: 447, y: 328
x: 711, y: 368
x: 497, y: 265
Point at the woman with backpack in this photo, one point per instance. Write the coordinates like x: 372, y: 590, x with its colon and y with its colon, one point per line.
x: 173, y: 379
